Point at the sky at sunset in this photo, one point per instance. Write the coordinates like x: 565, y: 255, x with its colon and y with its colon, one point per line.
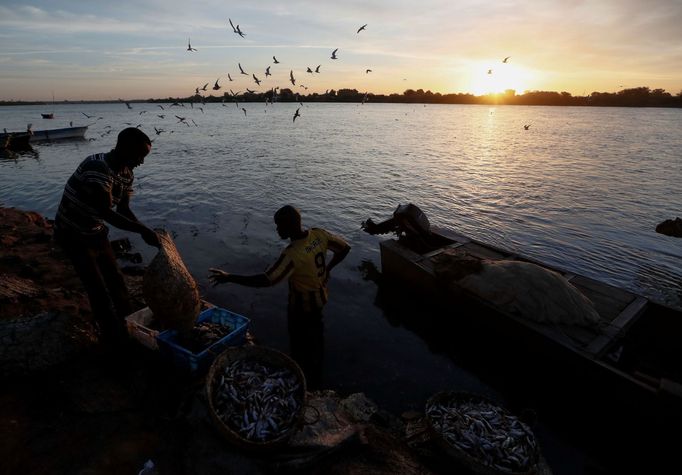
x: 138, y: 50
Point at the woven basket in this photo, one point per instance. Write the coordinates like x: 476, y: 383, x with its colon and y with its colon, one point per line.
x: 266, y: 356
x: 472, y: 463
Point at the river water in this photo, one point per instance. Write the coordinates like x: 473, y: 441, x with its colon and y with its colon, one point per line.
x: 582, y: 189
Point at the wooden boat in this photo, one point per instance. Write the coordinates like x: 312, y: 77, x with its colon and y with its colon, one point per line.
x: 16, y: 142
x: 49, y: 115
x: 59, y: 134
x: 633, y: 357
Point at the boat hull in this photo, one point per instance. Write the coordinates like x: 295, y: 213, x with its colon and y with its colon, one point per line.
x: 606, y: 360
x: 59, y: 134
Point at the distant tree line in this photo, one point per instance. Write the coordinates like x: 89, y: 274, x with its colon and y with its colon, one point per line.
x: 631, y: 97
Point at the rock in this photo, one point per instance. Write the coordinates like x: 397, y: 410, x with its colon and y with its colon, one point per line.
x: 359, y: 407
x: 670, y: 227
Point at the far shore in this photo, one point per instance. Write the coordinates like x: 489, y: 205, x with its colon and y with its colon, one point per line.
x: 632, y: 97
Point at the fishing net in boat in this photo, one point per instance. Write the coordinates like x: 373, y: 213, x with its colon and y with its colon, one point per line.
x: 519, y: 288
x: 169, y: 289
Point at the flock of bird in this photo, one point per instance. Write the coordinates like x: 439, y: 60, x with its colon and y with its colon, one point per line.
x: 234, y: 96
x: 270, y: 99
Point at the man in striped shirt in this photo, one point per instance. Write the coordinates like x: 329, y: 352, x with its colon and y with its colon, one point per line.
x: 304, y: 263
x: 100, y: 183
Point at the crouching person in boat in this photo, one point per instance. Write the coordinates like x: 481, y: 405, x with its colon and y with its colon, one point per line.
x: 409, y: 223
x: 304, y: 263
x: 100, y: 182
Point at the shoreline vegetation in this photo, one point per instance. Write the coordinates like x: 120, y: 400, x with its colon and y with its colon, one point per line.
x: 630, y: 97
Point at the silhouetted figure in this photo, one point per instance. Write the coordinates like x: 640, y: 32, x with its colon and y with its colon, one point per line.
x: 411, y: 226
x: 189, y: 46
x: 100, y: 183
x: 334, y: 54
x: 362, y: 28
x: 304, y: 263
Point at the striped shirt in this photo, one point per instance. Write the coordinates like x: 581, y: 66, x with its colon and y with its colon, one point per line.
x: 304, y: 263
x: 77, y: 213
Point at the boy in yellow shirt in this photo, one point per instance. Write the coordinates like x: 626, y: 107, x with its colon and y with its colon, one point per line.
x: 304, y: 263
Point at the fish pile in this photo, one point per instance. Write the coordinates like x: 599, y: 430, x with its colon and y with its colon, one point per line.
x: 259, y: 402
x: 485, y: 432
x: 202, y: 336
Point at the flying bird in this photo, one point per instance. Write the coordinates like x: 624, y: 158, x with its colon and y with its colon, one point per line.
x: 361, y: 28
x: 490, y: 71
x: 256, y: 80
x: 334, y: 53
x: 229, y: 77
x: 189, y: 46
x: 267, y: 72
x: 196, y: 91
x: 181, y: 119
x: 244, y: 111
x: 204, y: 88
x: 161, y: 116
x: 317, y: 69
x: 275, y: 60
x: 142, y: 112
x: 250, y: 91
x: 158, y: 131
x: 526, y: 127
x: 159, y: 105
x: 296, y: 114
x: 368, y: 71
x: 291, y: 77
x: 236, y: 29
x: 242, y: 69
x: 506, y: 59
x: 86, y: 115
x: 216, y: 86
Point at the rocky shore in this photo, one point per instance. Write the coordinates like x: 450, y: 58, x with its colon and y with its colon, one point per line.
x: 67, y: 408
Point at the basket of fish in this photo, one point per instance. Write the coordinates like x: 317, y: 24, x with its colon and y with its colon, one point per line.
x: 256, y: 396
x: 483, y: 436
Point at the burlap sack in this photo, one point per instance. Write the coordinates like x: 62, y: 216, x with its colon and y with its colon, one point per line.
x: 169, y: 289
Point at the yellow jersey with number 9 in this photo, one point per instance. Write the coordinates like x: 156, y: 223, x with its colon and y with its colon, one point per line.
x: 304, y: 262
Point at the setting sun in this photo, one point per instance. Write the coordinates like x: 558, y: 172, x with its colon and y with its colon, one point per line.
x: 496, y: 78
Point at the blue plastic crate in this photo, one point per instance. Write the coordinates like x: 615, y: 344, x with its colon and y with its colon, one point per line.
x: 198, y: 362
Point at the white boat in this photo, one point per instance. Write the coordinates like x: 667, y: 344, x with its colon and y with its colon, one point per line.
x: 59, y: 134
